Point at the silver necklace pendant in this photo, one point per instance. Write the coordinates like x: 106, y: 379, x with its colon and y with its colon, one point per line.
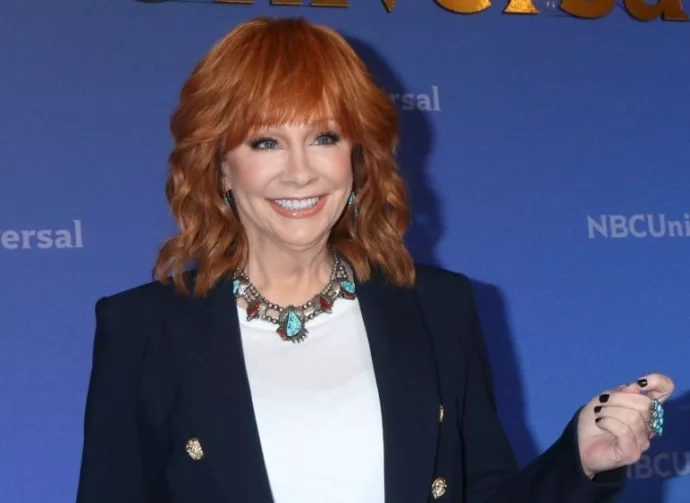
x: 291, y: 326
x: 291, y: 320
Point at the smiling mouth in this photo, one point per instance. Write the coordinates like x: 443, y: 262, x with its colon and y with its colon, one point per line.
x: 298, y: 204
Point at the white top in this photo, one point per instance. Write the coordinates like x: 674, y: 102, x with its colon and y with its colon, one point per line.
x: 317, y: 408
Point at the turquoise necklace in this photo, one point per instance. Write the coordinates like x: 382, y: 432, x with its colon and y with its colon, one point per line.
x: 291, y: 319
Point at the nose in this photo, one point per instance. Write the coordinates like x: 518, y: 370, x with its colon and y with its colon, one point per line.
x: 299, y: 170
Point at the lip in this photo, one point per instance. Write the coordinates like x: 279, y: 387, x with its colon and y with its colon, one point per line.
x: 302, y: 213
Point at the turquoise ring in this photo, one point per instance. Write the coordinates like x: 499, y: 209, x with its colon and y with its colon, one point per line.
x: 655, y: 425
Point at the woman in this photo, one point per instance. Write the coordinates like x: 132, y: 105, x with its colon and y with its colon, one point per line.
x: 291, y: 212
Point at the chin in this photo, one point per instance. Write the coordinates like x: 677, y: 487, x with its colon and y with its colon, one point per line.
x: 300, y: 240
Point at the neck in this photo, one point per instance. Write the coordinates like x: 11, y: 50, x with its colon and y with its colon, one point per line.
x: 287, y: 277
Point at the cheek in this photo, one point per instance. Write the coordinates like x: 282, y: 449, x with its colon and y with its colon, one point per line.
x: 341, y: 168
x: 249, y: 177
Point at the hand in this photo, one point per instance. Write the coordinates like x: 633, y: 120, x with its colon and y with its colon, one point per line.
x: 614, y: 434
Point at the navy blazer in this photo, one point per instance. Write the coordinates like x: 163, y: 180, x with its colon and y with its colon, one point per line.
x: 169, y: 367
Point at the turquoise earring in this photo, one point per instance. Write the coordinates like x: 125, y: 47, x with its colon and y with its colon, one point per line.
x: 351, y: 201
x: 229, y: 202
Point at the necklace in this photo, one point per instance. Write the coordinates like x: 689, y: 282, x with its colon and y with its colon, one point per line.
x: 291, y: 319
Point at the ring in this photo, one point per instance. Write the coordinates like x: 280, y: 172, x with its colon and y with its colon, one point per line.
x: 655, y: 426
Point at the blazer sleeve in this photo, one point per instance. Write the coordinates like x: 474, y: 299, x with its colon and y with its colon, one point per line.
x: 491, y: 472
x: 111, y: 468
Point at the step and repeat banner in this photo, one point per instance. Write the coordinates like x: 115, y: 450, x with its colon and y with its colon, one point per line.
x: 548, y: 155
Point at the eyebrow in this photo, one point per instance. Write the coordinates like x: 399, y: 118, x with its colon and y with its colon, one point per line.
x: 295, y: 124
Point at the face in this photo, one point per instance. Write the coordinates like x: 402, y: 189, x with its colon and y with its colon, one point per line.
x: 290, y: 184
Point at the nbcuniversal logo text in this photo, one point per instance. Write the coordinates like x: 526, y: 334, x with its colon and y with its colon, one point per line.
x: 638, y: 226
x: 424, y: 102
x: 43, y: 239
x: 663, y: 465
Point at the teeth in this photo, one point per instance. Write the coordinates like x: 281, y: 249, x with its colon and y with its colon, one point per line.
x: 298, y: 204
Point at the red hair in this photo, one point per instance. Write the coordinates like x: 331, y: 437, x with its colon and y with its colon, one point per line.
x: 272, y: 72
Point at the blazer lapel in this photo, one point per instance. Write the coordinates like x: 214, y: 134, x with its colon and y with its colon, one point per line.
x: 216, y: 390
x: 407, y: 380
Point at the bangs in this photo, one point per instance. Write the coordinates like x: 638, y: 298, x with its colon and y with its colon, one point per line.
x: 293, y: 73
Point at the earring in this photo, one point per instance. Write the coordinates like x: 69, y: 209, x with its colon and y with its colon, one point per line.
x: 351, y: 201
x: 229, y: 200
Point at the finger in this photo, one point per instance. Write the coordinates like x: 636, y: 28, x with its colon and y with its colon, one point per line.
x: 632, y: 418
x: 630, y: 388
x: 626, y: 388
x: 657, y: 386
x: 629, y: 450
x: 636, y: 401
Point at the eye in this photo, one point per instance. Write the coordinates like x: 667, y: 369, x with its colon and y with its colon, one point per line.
x: 327, y: 138
x: 263, y: 143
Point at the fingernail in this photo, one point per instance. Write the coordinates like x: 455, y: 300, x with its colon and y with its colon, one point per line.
x: 604, y: 398
x: 597, y: 409
x: 598, y: 419
x: 642, y: 383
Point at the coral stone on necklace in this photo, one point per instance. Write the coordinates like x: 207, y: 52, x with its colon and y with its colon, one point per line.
x: 291, y: 319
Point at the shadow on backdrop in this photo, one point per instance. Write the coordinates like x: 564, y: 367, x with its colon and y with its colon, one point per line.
x: 667, y: 458
x: 416, y: 143
x: 506, y: 371
x: 425, y: 232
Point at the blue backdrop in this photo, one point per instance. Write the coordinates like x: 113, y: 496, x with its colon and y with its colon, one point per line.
x: 547, y: 156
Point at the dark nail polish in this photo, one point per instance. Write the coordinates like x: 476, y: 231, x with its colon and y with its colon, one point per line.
x: 642, y: 383
x: 598, y: 419
x: 604, y: 398
x: 597, y: 409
